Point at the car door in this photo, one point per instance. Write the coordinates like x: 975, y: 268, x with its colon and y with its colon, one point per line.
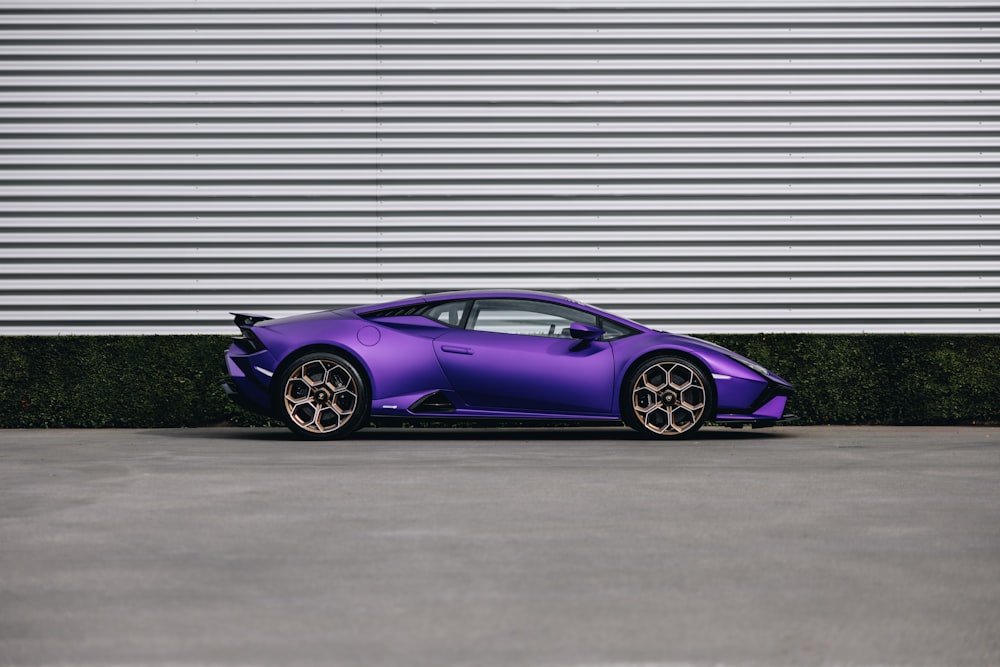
x: 517, y: 355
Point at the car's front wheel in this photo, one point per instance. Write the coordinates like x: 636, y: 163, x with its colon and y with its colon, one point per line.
x: 322, y: 396
x: 667, y: 396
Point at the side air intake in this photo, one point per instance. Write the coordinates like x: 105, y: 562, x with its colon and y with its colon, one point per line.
x: 433, y: 403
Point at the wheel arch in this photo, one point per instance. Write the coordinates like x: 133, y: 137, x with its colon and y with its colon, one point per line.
x: 668, y: 351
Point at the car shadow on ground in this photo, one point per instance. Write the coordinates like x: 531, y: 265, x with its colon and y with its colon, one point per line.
x: 480, y: 433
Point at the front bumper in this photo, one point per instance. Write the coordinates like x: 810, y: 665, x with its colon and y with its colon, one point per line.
x: 767, y: 409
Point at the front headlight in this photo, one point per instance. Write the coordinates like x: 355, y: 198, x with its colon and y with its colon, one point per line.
x: 752, y: 365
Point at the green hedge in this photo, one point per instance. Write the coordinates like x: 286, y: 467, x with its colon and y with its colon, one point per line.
x: 114, y: 381
x: 883, y: 379
x: 160, y: 381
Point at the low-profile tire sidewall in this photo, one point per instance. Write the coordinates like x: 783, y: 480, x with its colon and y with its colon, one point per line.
x: 362, y: 409
x: 633, y: 421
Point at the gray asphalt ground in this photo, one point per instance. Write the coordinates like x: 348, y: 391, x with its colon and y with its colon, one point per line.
x: 570, y: 547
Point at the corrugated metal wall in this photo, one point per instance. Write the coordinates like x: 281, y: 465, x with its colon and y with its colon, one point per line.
x: 707, y: 167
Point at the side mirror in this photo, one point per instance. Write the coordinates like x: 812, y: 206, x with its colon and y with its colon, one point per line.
x: 584, y: 332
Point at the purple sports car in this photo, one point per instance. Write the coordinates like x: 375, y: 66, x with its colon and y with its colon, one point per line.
x: 510, y: 355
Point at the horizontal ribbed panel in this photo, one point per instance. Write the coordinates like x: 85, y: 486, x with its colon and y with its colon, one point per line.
x: 730, y: 166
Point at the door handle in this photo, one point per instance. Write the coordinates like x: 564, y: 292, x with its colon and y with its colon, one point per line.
x: 455, y: 349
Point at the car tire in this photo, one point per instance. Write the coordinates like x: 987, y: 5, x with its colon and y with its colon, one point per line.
x: 322, y: 396
x: 667, y: 397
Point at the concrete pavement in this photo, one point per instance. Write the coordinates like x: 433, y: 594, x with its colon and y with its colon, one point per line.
x: 569, y: 547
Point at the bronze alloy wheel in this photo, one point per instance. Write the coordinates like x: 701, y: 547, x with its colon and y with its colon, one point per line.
x: 322, y: 396
x: 667, y: 397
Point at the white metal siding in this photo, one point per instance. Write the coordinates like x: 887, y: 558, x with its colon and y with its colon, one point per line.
x: 706, y: 167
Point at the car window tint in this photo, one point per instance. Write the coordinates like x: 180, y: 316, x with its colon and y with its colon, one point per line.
x: 449, y: 313
x: 526, y: 318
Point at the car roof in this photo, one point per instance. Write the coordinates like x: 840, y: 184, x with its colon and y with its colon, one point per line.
x: 455, y: 295
x: 434, y: 297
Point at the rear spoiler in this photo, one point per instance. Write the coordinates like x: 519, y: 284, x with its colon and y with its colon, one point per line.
x: 245, y: 320
x: 248, y: 342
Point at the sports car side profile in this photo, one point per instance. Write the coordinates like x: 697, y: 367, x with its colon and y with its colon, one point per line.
x: 511, y: 355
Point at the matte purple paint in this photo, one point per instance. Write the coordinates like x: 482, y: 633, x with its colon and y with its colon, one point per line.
x: 407, y: 357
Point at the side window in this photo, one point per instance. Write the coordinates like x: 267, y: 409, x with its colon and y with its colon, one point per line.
x: 612, y: 330
x: 526, y: 318
x: 449, y: 313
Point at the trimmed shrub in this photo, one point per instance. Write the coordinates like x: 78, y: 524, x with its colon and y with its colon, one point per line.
x: 115, y: 381
x: 170, y: 381
x: 883, y: 379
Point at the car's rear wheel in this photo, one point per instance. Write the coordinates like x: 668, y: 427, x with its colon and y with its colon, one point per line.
x: 667, y: 396
x: 322, y: 396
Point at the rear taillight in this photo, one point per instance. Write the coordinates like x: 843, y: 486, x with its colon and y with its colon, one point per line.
x: 248, y: 342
